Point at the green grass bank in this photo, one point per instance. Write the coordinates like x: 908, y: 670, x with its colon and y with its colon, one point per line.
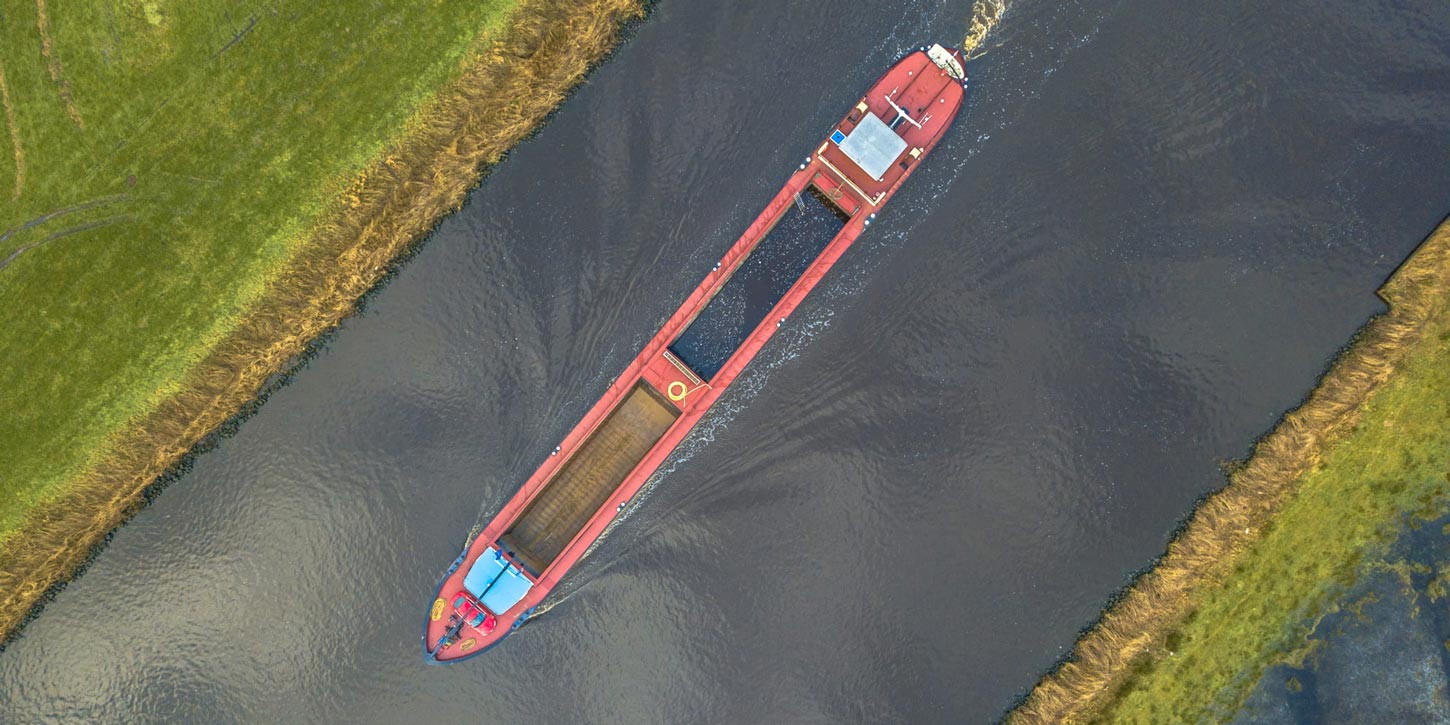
x: 192, y: 191
x: 1395, y: 464
x: 1241, y: 588
x: 184, y: 149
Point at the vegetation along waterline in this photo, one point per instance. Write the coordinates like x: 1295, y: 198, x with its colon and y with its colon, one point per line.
x: 1261, y: 560
x: 186, y: 218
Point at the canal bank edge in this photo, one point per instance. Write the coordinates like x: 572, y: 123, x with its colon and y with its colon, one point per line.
x: 501, y: 97
x: 1135, y: 628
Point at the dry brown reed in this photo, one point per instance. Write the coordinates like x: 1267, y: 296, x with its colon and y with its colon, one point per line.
x: 13, y: 127
x: 1135, y: 626
x: 505, y: 91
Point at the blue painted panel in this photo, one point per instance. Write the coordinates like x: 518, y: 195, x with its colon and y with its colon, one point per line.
x: 507, y: 591
x: 484, y: 572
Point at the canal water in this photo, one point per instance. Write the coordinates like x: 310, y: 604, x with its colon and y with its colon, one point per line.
x: 1151, y: 228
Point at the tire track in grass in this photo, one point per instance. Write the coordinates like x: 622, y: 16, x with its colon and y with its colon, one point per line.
x: 43, y: 218
x: 61, y: 235
x: 52, y: 64
x: 14, y: 128
x: 985, y: 16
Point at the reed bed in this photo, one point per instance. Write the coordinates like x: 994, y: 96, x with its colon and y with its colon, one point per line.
x: 504, y: 93
x: 1139, y: 626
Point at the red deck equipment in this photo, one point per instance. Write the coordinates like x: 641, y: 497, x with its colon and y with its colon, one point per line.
x: 515, y: 562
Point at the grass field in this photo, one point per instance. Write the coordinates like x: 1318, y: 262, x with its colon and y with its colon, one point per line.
x: 160, y: 161
x: 1395, y: 464
x: 1259, y: 562
x: 258, y: 233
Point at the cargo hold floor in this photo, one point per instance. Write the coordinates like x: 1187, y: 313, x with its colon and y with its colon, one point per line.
x: 595, y: 471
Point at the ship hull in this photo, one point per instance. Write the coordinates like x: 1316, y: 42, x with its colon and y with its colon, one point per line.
x: 586, y: 482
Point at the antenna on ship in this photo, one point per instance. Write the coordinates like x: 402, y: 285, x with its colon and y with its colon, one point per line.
x: 447, y: 637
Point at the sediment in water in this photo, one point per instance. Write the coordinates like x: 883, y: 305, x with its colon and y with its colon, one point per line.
x: 1137, y: 622
x: 985, y: 16
x: 505, y: 91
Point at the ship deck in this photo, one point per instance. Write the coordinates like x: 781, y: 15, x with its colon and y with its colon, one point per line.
x: 651, y: 406
x: 575, y: 493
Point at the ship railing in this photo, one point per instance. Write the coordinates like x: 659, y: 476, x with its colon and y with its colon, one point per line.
x: 873, y: 201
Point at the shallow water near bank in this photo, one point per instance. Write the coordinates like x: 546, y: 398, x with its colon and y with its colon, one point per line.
x: 1146, y: 235
x: 1381, y: 655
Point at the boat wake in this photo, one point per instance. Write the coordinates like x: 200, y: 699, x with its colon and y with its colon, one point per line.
x: 985, y: 16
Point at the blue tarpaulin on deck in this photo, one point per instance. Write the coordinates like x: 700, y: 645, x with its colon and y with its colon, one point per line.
x: 507, y: 591
x: 484, y: 572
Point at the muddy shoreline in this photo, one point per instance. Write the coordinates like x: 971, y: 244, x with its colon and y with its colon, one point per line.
x: 505, y: 92
x: 1136, y: 623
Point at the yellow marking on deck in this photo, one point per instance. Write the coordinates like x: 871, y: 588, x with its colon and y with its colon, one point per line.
x: 683, y: 391
x: 437, y: 612
x: 467, y: 644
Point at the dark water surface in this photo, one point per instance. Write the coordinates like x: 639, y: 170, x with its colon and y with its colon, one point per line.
x: 1151, y: 227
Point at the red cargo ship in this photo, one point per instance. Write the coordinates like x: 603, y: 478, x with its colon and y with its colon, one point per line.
x: 508, y: 569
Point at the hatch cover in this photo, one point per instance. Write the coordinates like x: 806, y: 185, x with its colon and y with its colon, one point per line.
x: 873, y: 146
